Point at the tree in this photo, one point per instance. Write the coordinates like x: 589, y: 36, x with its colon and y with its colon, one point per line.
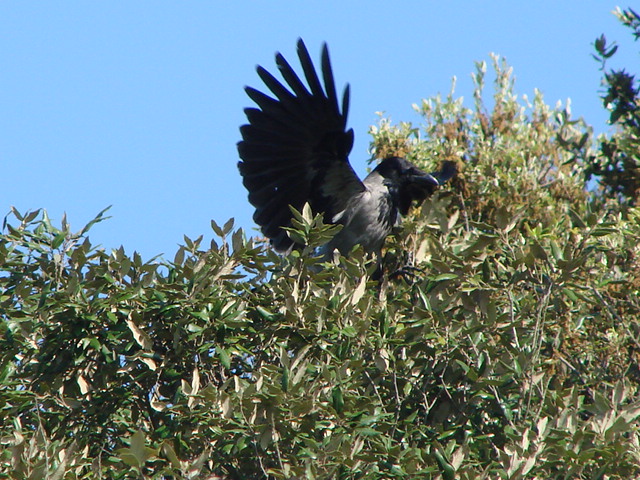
x: 510, y: 353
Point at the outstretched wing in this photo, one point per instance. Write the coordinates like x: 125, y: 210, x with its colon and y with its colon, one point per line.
x: 294, y: 149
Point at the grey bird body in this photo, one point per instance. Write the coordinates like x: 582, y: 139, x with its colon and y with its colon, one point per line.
x: 367, y: 219
x: 294, y: 150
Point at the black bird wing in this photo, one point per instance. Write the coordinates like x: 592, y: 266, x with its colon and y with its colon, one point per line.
x: 294, y: 149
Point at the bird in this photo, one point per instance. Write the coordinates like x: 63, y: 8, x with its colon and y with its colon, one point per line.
x: 294, y: 151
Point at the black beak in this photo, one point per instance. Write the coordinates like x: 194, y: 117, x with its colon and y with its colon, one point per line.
x: 423, y: 180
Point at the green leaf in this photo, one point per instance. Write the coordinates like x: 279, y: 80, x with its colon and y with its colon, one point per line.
x: 228, y: 226
x: 337, y: 399
x: 216, y: 229
x: 98, y: 218
x: 137, y: 443
x: 58, y: 240
x: 445, y: 276
x: 284, y: 382
x: 225, y: 359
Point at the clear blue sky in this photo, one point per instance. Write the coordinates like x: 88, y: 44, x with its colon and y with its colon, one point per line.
x: 138, y: 104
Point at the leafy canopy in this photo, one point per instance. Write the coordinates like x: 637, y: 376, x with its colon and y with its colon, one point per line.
x: 511, y: 352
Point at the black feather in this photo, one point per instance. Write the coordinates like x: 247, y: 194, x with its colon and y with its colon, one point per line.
x: 309, y: 70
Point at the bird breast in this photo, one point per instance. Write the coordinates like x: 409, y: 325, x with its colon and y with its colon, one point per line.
x: 367, y: 220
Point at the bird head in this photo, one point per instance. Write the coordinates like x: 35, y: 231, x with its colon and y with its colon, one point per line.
x: 406, y: 182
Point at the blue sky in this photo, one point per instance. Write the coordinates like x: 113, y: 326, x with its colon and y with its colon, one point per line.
x: 138, y: 104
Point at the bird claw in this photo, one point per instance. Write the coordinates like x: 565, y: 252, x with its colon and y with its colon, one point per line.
x: 407, y: 272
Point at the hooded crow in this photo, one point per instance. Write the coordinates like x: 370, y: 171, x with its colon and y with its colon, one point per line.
x: 294, y: 150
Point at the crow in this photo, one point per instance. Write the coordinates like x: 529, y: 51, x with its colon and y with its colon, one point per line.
x: 294, y: 150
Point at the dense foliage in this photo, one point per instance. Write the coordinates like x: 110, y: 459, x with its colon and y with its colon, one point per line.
x: 502, y: 343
